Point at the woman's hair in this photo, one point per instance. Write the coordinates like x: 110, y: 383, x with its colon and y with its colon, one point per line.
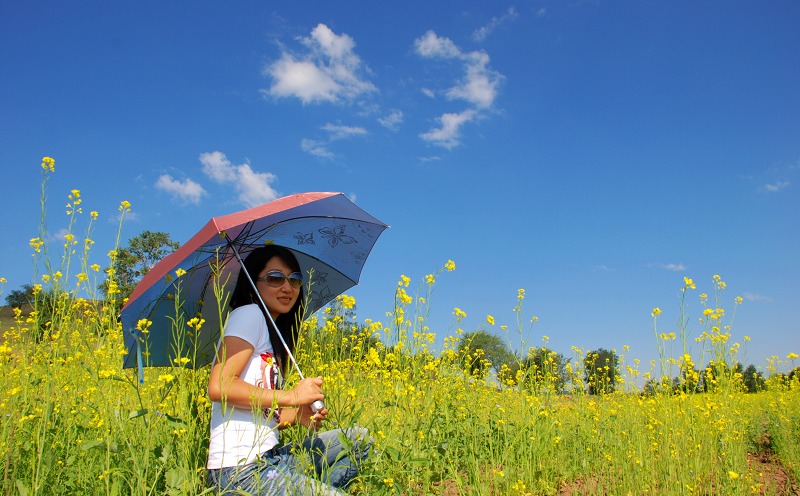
x: 244, y: 294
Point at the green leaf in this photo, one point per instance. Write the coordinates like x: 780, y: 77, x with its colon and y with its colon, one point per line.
x: 393, y: 453
x: 137, y: 413
x: 91, y: 444
x: 175, y: 420
x: 23, y: 491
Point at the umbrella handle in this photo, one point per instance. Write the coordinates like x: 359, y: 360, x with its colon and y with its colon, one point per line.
x: 317, y: 406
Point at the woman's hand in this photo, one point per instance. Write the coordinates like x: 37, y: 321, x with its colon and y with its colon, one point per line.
x: 305, y: 392
x: 307, y: 417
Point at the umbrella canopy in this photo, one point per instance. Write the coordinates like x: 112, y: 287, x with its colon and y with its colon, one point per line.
x: 330, y: 236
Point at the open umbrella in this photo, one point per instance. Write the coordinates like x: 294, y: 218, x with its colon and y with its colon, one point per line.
x: 330, y: 236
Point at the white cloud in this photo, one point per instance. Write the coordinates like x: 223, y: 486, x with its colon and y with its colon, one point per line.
x: 480, y: 83
x: 755, y: 297
x: 187, y: 190
x: 674, y: 267
x: 480, y: 34
x: 479, y: 87
x: 217, y: 167
x: 254, y: 188
x: 328, y: 72
x: 315, y: 148
x: 392, y: 121
x: 338, y: 132
x: 775, y: 187
x: 432, y: 45
x: 335, y: 132
x: 430, y: 158
x: 447, y: 136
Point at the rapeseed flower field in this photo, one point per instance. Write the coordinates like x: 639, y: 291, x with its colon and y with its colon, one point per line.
x: 74, y: 422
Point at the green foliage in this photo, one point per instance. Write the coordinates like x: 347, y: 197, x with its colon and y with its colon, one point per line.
x: 753, y: 379
x: 601, y: 370
x: 545, y: 369
x: 134, y: 261
x: 482, y: 350
x: 19, y: 298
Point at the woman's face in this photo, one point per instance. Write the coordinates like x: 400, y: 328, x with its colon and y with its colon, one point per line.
x: 278, y: 300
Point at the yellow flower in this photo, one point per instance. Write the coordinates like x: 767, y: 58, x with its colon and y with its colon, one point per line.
x: 95, y: 267
x: 792, y: 356
x: 94, y: 214
x: 688, y: 283
x: 656, y: 312
x: 49, y: 163
x: 429, y: 279
x: 348, y: 301
x: 125, y: 206
x: 459, y: 313
x: 36, y: 244
x: 180, y: 272
x: 144, y: 325
x: 490, y: 319
x: 166, y: 378
x: 732, y: 474
x: 404, y: 281
x: 450, y: 266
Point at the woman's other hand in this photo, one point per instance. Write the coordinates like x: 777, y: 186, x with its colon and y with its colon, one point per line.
x: 306, y: 391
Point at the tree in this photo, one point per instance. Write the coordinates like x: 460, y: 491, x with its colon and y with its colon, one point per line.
x: 20, y: 297
x: 545, y: 369
x: 753, y: 380
x: 481, y: 349
x: 600, y: 371
x: 135, y: 261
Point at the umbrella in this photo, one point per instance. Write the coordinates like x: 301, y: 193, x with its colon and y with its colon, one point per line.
x: 330, y: 236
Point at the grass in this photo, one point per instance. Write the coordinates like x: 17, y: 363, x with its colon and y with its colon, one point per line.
x: 72, y: 421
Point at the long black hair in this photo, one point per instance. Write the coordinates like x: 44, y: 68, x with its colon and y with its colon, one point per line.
x: 244, y: 294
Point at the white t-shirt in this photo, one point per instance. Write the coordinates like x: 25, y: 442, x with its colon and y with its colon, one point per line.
x: 239, y: 435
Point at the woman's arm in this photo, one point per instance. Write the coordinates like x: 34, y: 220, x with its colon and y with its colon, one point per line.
x: 226, y: 384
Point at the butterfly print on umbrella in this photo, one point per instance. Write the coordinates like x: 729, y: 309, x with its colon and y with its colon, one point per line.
x: 305, y: 239
x: 337, y: 235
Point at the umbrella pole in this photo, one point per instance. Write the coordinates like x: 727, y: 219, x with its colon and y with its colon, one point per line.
x: 317, y: 405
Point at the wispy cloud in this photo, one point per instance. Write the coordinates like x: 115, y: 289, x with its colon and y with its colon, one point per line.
x: 755, y: 297
x: 448, y: 133
x: 334, y: 132
x: 315, y: 148
x: 254, y: 188
x: 673, y: 267
x: 480, y: 83
x: 392, y: 120
x: 338, y: 132
x: 481, y: 33
x: 329, y: 71
x: 187, y: 190
x: 775, y: 187
x: 478, y: 87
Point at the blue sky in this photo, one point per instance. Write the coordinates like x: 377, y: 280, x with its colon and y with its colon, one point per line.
x: 593, y: 153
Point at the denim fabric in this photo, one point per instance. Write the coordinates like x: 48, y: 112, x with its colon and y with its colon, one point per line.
x: 335, y: 456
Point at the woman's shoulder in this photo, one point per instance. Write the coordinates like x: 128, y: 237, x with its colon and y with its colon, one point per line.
x: 247, y: 322
x: 249, y: 310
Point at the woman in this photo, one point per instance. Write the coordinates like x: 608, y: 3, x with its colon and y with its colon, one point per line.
x: 249, y: 404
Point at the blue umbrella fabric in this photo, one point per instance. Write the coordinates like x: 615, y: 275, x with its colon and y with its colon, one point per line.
x: 330, y: 236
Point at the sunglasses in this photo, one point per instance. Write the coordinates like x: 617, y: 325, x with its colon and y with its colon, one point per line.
x: 276, y: 279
